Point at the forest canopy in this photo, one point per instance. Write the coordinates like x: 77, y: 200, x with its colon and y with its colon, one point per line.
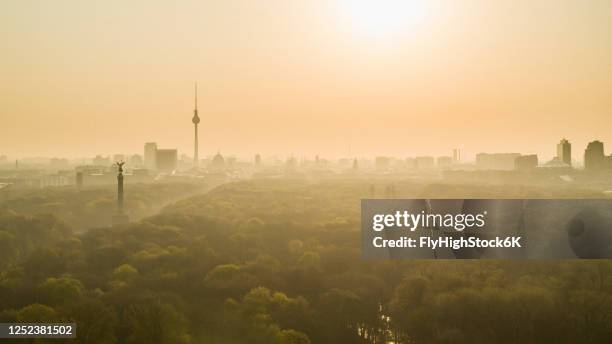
x: 279, y: 261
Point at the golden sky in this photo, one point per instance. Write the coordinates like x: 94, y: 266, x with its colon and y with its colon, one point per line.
x: 290, y: 76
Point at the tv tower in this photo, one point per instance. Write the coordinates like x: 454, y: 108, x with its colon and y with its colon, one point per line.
x: 195, y: 120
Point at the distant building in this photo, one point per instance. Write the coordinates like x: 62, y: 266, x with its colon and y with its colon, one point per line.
x: 58, y: 163
x: 456, y: 155
x: 150, y: 153
x: 166, y: 160
x: 79, y: 180
x: 564, y: 152
x: 342, y: 162
x: 231, y: 161
x: 185, y: 161
x: 444, y: 161
x: 118, y: 158
x: 140, y: 172
x: 136, y: 160
x: 257, y: 160
x: 526, y: 162
x: 321, y: 161
x: 101, y: 161
x: 594, y: 156
x: 410, y: 163
x: 424, y: 162
x: 291, y: 162
x: 555, y: 163
x: 496, y: 161
x: 218, y: 162
x: 382, y: 163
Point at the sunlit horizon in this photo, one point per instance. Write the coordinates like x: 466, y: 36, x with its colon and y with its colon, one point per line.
x: 330, y: 78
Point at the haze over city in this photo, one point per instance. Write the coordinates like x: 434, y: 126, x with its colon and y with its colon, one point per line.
x: 305, y: 78
x: 306, y: 171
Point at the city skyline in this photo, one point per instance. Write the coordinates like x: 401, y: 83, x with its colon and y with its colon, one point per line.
x: 305, y: 78
x: 594, y: 158
x: 563, y: 154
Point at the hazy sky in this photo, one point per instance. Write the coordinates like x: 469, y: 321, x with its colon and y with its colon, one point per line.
x: 404, y: 78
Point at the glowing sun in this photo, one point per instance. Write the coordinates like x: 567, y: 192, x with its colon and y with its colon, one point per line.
x: 384, y: 18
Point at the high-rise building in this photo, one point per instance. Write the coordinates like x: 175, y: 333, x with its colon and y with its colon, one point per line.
x: 195, y: 120
x: 166, y: 160
x: 564, y: 152
x: 150, y: 154
x: 456, y: 155
x: 594, y: 156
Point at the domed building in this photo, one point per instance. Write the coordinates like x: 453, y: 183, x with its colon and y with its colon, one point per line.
x: 218, y: 162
